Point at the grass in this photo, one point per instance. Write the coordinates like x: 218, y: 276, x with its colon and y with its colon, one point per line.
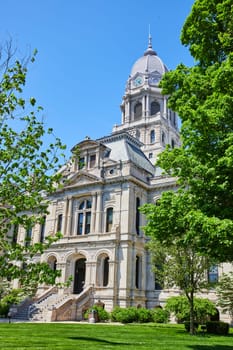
x: 35, y: 336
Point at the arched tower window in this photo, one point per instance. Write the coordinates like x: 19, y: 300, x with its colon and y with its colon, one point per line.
x: 173, y: 143
x: 137, y: 111
x: 109, y: 219
x: 154, y: 107
x: 152, y: 136
x: 84, y: 218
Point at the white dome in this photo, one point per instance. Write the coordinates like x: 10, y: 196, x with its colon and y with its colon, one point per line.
x: 149, y: 63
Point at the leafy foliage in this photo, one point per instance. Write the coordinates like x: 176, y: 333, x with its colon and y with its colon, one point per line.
x: 193, y: 225
x: 102, y: 314
x: 28, y: 172
x: 179, y: 306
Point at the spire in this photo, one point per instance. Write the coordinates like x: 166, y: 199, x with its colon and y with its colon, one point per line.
x: 150, y: 50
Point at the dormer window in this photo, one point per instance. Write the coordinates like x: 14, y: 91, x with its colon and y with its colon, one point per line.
x: 81, y: 163
x: 92, y: 161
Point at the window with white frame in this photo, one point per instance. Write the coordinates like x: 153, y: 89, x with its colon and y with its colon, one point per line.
x: 109, y: 219
x: 84, y: 218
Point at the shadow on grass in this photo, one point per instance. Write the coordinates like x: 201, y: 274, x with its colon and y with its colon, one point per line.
x: 210, y: 347
x: 105, y: 341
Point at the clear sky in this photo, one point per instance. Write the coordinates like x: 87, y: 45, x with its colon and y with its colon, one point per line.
x: 86, y: 49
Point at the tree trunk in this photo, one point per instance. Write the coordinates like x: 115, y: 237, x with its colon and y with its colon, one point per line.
x: 191, y: 303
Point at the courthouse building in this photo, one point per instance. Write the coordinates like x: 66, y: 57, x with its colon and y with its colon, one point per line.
x: 103, y: 245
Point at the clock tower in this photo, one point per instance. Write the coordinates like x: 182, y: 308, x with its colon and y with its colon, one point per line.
x: 145, y: 112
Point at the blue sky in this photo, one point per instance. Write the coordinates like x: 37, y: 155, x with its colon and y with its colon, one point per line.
x: 85, y: 53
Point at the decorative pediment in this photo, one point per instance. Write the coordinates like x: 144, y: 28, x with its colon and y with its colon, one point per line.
x: 81, y: 178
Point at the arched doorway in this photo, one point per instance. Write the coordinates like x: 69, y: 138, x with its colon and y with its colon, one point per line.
x: 79, y: 275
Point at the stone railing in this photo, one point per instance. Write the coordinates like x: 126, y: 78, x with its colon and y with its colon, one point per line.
x: 71, y: 307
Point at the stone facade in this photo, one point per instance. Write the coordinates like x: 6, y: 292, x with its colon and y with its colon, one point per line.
x: 103, y: 246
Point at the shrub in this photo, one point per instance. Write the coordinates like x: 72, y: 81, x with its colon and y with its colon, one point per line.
x: 160, y: 315
x: 4, y: 309
x: 203, y: 308
x: 124, y: 315
x: 144, y: 315
x: 217, y: 327
x: 103, y: 315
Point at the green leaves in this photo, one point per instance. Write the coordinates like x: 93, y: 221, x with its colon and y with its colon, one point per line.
x: 28, y: 171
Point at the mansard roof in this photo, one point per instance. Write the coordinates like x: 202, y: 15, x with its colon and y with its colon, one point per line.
x: 125, y: 147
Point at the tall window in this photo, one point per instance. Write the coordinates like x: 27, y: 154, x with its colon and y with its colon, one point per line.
x: 154, y: 107
x: 173, y: 143
x: 109, y: 219
x: 59, y: 222
x: 42, y: 230
x: 163, y: 137
x: 28, y: 237
x: 81, y: 163
x: 152, y: 136
x: 84, y: 218
x: 15, y: 233
x: 137, y: 111
x: 213, y: 274
x: 138, y: 272
x: 137, y: 216
x: 106, y: 271
x: 92, y: 160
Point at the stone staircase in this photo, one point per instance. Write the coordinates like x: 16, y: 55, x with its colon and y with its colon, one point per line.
x: 52, y: 306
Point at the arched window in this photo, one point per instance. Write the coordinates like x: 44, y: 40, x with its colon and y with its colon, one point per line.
x: 137, y: 111
x: 109, y: 219
x: 173, y: 143
x: 52, y: 261
x: 106, y: 271
x: 102, y: 277
x: 137, y: 216
x: 154, y: 107
x: 152, y: 136
x: 138, y: 269
x: 84, y: 218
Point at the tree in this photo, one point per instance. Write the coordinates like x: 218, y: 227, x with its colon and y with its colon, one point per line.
x: 28, y: 174
x: 199, y: 215
x: 225, y: 293
x: 203, y: 308
x: 171, y: 226
x: 203, y: 97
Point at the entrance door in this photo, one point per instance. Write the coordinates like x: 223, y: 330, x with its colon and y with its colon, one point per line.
x: 79, y: 275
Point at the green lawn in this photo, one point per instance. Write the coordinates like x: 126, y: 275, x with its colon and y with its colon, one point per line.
x: 35, y: 336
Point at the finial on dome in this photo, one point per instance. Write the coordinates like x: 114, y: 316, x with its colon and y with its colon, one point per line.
x: 149, y: 50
